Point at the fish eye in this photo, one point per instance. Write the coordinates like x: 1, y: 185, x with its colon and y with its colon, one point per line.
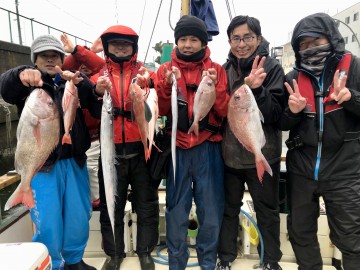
x: 237, y: 97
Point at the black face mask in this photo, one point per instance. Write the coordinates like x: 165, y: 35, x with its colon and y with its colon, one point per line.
x: 120, y: 59
x: 314, y: 58
x: 195, y: 57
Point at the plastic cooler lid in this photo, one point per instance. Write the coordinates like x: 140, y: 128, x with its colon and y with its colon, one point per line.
x: 24, y: 256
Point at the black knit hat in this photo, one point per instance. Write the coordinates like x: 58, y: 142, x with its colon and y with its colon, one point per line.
x: 191, y: 25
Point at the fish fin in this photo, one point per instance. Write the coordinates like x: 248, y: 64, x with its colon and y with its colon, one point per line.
x: 147, y: 110
x: 262, y: 166
x: 261, y: 116
x: 194, y: 128
x: 66, y: 139
x: 36, y: 133
x: 159, y: 150
x: 24, y: 197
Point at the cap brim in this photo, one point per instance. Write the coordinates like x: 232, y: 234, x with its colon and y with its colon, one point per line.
x: 120, y: 39
x: 48, y: 48
x: 309, y: 34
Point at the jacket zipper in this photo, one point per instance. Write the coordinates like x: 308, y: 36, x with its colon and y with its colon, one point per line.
x: 121, y: 86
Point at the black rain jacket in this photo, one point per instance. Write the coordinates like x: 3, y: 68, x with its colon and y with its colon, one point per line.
x: 14, y: 92
x: 270, y: 100
x: 331, y: 140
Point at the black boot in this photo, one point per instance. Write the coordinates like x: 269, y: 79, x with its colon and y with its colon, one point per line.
x: 146, y: 262
x: 114, y: 263
x: 79, y: 266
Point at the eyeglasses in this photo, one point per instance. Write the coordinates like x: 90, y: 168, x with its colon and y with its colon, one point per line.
x: 246, y: 39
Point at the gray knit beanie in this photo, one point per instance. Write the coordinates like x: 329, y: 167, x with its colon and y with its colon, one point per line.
x: 46, y: 43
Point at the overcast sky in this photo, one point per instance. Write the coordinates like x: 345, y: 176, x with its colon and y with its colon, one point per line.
x: 88, y: 19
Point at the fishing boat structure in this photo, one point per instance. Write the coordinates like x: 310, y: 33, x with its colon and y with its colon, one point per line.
x: 16, y: 233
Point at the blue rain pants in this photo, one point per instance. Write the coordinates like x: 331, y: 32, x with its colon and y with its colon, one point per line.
x: 62, y: 211
x: 199, y: 173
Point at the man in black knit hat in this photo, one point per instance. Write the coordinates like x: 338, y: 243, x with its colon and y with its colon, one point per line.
x: 199, y: 165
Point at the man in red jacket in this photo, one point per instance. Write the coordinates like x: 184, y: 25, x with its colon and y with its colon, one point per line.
x: 199, y: 169
x: 120, y: 44
x: 89, y: 63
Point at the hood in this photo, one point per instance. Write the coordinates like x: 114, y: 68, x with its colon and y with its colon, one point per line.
x: 119, y: 32
x: 320, y: 23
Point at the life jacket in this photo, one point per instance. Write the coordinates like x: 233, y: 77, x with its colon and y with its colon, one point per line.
x: 121, y: 108
x: 185, y: 109
x: 306, y: 89
x: 125, y: 127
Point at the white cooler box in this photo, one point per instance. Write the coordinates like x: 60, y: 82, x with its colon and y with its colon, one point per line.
x: 24, y: 256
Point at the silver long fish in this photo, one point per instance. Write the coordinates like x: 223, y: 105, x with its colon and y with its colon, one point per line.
x: 108, y: 156
x: 152, y: 101
x: 174, y: 113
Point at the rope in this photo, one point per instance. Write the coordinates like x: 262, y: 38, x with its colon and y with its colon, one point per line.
x: 165, y: 260
x: 229, y: 9
x: 172, y: 28
x: 142, y: 18
x: 152, y: 33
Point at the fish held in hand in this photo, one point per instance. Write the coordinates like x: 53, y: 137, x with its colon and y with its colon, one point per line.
x: 107, y: 148
x: 244, y: 118
x: 37, y: 135
x: 70, y: 103
x: 152, y: 102
x: 204, y: 100
x: 141, y: 113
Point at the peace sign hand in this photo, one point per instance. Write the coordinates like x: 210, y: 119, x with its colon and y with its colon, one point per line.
x: 296, y: 101
x: 257, y: 74
x: 341, y: 93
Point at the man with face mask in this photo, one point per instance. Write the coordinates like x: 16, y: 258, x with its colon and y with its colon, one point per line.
x: 323, y: 116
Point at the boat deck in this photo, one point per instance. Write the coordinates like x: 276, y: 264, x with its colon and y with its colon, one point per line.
x: 21, y: 230
x: 239, y: 264
x: 248, y: 260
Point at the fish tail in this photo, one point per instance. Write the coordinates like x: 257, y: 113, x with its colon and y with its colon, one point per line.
x: 262, y: 166
x: 66, y: 139
x: 150, y: 148
x: 24, y: 197
x: 194, y: 128
x: 147, y: 154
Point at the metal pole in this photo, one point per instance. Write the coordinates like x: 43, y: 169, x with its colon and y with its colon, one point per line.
x: 185, y: 7
x: 11, y: 38
x: 18, y: 21
x: 336, y: 20
x: 32, y: 28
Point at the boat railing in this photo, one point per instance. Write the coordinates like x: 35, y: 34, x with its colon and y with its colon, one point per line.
x: 18, y: 29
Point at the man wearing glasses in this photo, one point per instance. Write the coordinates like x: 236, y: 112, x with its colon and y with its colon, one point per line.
x: 249, y: 62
